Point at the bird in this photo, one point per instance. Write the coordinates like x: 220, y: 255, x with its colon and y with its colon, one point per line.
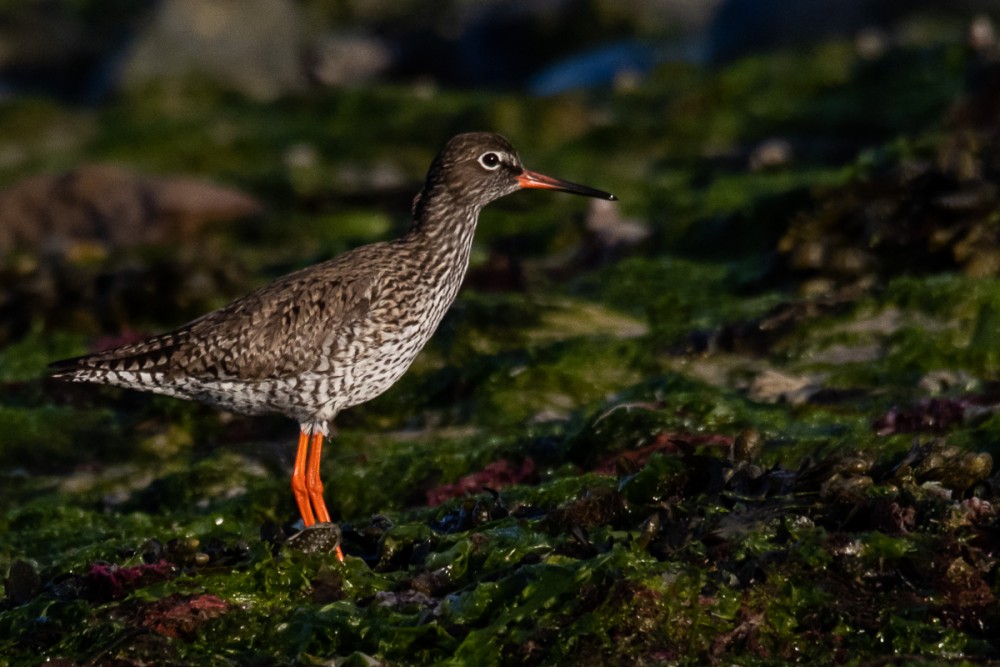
x: 335, y: 334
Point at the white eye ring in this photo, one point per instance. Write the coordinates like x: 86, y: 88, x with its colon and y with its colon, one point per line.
x: 490, y: 161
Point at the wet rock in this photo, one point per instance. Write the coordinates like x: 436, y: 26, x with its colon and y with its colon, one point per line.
x: 432, y: 582
x: 402, y: 547
x: 474, y: 511
x: 366, y: 541
x: 320, y: 538
x: 105, y: 206
x: 328, y: 586
x: 596, y: 507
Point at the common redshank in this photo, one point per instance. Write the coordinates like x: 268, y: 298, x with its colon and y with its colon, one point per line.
x: 335, y: 334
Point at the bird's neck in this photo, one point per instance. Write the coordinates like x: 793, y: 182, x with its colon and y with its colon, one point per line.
x: 443, y: 225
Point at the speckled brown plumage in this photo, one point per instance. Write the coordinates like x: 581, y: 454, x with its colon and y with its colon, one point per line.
x: 338, y: 333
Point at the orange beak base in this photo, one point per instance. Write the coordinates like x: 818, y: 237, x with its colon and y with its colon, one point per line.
x: 531, y: 179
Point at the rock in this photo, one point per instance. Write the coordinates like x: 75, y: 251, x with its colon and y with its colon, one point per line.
x: 772, y: 153
x: 254, y: 46
x: 608, y: 236
x: 22, y: 583
x: 620, y: 65
x: 772, y: 386
x: 110, y: 206
x: 349, y: 60
x: 320, y: 538
x: 612, y: 233
x: 913, y: 218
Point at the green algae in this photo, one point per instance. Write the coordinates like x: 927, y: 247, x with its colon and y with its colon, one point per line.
x: 710, y: 294
x: 55, y: 437
x: 26, y: 359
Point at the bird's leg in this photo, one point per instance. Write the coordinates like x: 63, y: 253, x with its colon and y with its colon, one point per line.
x: 314, y: 485
x: 299, y: 484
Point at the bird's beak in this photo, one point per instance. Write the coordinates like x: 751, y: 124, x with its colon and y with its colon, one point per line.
x: 531, y: 179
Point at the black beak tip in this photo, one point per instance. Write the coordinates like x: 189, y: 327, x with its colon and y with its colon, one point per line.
x: 611, y: 197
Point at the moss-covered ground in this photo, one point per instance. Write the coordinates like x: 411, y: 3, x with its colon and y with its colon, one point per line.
x: 707, y: 448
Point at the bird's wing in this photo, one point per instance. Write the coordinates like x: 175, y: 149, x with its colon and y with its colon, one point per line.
x: 280, y: 330
x: 273, y: 332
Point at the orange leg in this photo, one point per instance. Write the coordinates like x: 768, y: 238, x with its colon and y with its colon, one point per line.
x: 299, y: 482
x: 314, y: 485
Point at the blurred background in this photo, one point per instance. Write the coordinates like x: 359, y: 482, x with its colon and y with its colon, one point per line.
x: 802, y: 267
x: 143, y: 141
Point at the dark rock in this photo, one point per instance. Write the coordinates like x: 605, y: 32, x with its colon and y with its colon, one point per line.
x: 934, y: 415
x: 328, y: 586
x: 596, y: 507
x: 746, y: 26
x: 23, y: 582
x: 61, y: 49
x: 473, y: 512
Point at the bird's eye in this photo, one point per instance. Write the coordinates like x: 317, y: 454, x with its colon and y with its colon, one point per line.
x: 489, y: 160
